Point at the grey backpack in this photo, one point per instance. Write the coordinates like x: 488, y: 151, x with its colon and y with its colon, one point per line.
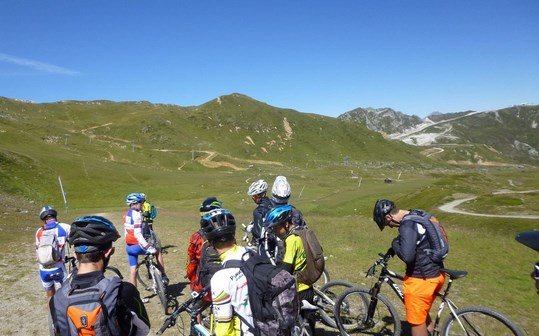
x: 88, y: 311
x: 273, y: 295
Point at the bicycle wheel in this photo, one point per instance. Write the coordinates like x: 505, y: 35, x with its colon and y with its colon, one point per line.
x: 325, y: 299
x: 143, y: 274
x: 351, y: 314
x: 161, y: 290
x: 110, y: 270
x: 324, y: 279
x: 480, y: 321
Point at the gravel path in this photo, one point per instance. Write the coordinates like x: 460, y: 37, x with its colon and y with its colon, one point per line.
x: 451, y: 207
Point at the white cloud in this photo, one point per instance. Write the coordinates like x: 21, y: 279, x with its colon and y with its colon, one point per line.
x: 39, y: 66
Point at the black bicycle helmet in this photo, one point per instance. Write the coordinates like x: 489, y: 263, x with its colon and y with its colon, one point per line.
x: 47, y: 210
x: 218, y: 225
x: 381, y: 209
x: 209, y: 204
x: 92, y: 233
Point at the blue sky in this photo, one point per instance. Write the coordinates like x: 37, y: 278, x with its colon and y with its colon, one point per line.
x: 324, y: 57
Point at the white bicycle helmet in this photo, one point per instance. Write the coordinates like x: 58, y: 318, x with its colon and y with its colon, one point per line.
x: 257, y: 187
x: 281, y: 189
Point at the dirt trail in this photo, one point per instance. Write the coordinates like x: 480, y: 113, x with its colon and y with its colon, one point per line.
x: 451, y: 207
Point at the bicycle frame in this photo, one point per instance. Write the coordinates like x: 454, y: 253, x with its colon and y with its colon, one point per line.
x: 152, y: 269
x: 387, y: 276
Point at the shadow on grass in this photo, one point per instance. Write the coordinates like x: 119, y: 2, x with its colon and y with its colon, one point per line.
x: 173, y: 292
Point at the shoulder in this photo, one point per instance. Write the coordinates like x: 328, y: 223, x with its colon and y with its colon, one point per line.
x: 127, y: 290
x: 65, y: 226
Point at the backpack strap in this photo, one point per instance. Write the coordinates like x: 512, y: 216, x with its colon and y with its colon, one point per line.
x: 235, y: 263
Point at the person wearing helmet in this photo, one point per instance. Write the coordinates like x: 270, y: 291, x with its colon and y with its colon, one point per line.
x: 424, y: 278
x: 136, y: 243
x: 280, y: 195
x: 197, y: 251
x: 280, y: 190
x: 92, y: 237
x: 149, y: 212
x: 257, y: 190
x: 197, y: 244
x: 229, y: 289
x: 279, y: 222
x: 50, y: 239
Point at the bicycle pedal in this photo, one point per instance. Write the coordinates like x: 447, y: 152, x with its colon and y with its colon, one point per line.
x: 145, y: 300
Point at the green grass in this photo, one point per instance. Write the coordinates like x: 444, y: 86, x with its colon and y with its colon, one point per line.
x: 98, y: 170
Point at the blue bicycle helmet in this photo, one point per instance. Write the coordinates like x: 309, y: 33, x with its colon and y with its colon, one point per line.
x: 92, y: 233
x: 133, y: 198
x: 278, y: 215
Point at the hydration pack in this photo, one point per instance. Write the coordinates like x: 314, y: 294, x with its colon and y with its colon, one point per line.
x: 315, y: 257
x: 209, y: 263
x: 273, y: 295
x: 88, y: 311
x: 48, y: 249
x: 434, y: 233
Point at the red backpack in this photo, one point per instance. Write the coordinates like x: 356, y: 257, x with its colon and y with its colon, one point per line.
x: 194, y: 254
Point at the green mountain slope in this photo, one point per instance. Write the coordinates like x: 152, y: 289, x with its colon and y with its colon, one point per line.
x: 121, y: 143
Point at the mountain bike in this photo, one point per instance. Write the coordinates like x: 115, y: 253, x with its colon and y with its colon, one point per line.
x: 145, y: 277
x: 191, y: 308
x: 366, y: 311
x: 156, y: 285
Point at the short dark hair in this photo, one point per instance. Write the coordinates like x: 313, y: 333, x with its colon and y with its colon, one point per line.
x: 90, y: 256
x: 224, y: 241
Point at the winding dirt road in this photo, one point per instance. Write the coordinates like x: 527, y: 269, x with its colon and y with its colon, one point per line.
x: 451, y: 207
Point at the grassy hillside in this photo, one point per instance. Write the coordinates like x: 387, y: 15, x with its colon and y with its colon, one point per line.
x: 112, y: 149
x: 506, y: 135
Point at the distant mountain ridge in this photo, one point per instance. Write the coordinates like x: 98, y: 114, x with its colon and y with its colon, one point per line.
x: 477, y: 136
x: 384, y: 120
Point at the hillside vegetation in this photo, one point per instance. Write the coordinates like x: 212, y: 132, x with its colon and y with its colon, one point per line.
x: 498, y: 137
x: 180, y: 155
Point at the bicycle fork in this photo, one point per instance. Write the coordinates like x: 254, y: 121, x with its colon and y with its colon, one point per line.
x: 375, y: 290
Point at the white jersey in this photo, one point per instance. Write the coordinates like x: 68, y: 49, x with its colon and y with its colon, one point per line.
x: 230, y: 296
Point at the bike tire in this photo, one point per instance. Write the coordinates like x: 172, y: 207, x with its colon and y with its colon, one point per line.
x: 143, y: 274
x: 480, y: 321
x: 161, y: 290
x: 324, y: 279
x: 351, y: 311
x: 326, y: 302
x: 111, y: 270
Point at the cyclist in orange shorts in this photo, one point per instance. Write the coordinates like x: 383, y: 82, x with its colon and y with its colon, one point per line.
x: 424, y: 278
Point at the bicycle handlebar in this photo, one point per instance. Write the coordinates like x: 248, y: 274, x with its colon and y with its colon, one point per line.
x: 384, y: 258
x: 171, y: 320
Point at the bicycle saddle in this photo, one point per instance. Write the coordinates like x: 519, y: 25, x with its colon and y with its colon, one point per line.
x: 454, y: 274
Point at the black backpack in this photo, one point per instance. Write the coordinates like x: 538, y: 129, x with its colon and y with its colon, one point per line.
x: 434, y: 232
x: 209, y: 263
x: 273, y: 295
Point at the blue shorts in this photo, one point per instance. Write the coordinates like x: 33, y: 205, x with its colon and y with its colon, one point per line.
x: 133, y: 251
x: 50, y: 276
